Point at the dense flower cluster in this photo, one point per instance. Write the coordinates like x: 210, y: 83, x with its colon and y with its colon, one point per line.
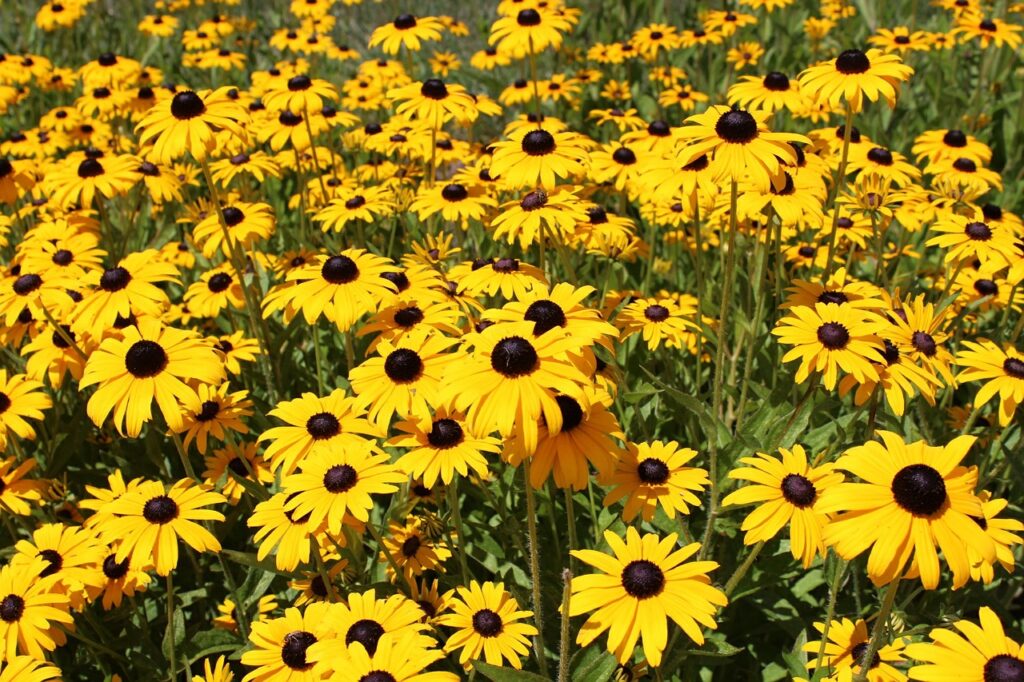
x: 333, y: 362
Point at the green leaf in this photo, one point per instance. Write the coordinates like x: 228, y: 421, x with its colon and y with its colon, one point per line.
x: 175, y: 633
x: 592, y: 664
x: 498, y: 674
x: 210, y: 642
x: 715, y: 647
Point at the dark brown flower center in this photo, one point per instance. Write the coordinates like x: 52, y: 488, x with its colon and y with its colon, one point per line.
x: 1014, y: 367
x: 454, y: 192
x: 11, y: 608
x: 115, y: 279
x: 776, y: 81
x: 1004, y: 668
x: 858, y: 653
x: 367, y: 632
x: 445, y: 433
x: 852, y: 61
x: 538, y: 142
x: 293, y: 650
x: 411, y: 545
x: 833, y: 335
x: 487, y: 623
x: 919, y: 489
x: 514, y: 357
x: 736, y: 126
x: 54, y: 562
x: 545, y: 315
x: 798, y: 490
x: 652, y: 471
x: 323, y: 425
x: 924, y: 342
x: 404, y: 22
x: 978, y: 231
x: 299, y: 83
x: 26, y: 284
x: 408, y: 317
x: 160, y: 510
x: 340, y: 478
x: 145, y: 359
x: 90, y: 168
x: 572, y: 413
x: 339, y: 270
x: 434, y: 88
x: 114, y: 569
x: 656, y: 313
x: 219, y: 282
x: 186, y: 105
x: 528, y: 17
x: 643, y: 579
x: 403, y: 365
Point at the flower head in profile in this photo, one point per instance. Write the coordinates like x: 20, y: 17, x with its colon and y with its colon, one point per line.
x: 738, y: 144
x: 529, y: 31
x: 854, y: 75
x: 971, y: 651
x: 406, y: 31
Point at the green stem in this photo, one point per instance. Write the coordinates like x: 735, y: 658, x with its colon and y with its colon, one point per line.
x: 538, y: 616
x: 318, y: 353
x: 453, y: 504
x: 170, y: 627
x: 321, y: 569
x: 741, y: 570
x: 840, y: 185
x: 830, y: 613
x: 564, y: 643
x: 185, y: 462
x: 876, y: 633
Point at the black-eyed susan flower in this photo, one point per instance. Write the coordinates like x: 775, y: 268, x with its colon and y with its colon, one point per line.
x: 487, y: 621
x: 528, y: 32
x: 336, y: 420
x: 551, y: 214
x: 396, y: 658
x: 150, y: 519
x: 280, y: 645
x: 334, y: 483
x: 975, y: 651
x: 455, y: 202
x: 511, y: 277
x: 122, y: 578
x: 1005, y: 533
x: 589, y: 438
x: 535, y: 157
x: 232, y: 464
x: 649, y: 475
x: 645, y: 583
x: 1001, y: 370
x: 129, y: 288
x: 342, y: 287
x: 149, y: 362
x: 738, y: 144
x: 786, y: 490
x: 406, y: 31
x: 21, y: 399
x: 773, y: 91
x: 440, y: 446
x: 247, y: 223
x: 914, y: 500
x: 31, y: 611
x: 657, y: 321
x: 82, y: 180
x: 404, y: 379
x: 19, y: 494
x: 278, y: 529
x: 410, y: 311
x: 413, y: 550
x: 433, y: 102
x: 72, y: 554
x: 189, y: 122
x: 846, y: 649
x: 510, y: 379
x: 830, y: 337
x: 364, y: 618
x: 854, y: 75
